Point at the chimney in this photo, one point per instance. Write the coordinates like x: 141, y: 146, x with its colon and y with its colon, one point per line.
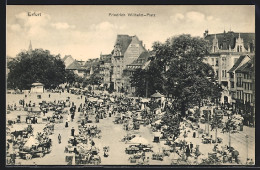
x: 206, y: 33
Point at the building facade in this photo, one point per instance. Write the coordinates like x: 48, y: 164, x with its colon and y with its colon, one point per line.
x: 225, y: 50
x: 105, y: 69
x: 126, y: 50
x: 242, y: 78
x: 77, y: 68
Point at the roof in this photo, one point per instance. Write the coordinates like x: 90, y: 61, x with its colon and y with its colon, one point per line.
x: 74, y: 66
x: 157, y: 95
x: 240, y: 59
x: 106, y: 58
x: 37, y: 84
x: 247, y: 67
x: 91, y: 63
x: 123, y: 41
x: 66, y: 56
x: 229, y: 38
x: 146, y: 65
x: 142, y: 59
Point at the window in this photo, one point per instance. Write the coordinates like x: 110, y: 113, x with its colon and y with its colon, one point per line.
x: 239, y: 82
x: 216, y: 73
x: 224, y: 73
x: 232, y: 75
x: 216, y: 61
x: 223, y: 62
x: 232, y: 84
x: 212, y: 61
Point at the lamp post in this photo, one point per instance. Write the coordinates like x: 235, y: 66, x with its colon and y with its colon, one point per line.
x: 246, y: 147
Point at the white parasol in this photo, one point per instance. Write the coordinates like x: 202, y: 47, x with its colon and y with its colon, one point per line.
x: 139, y: 140
x: 144, y: 100
x: 30, y: 142
x: 100, y: 101
x: 158, y: 121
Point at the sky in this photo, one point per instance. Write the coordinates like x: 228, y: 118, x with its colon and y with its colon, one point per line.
x: 87, y: 31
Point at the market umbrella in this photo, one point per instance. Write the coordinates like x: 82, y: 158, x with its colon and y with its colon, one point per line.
x: 118, y: 115
x: 112, y: 99
x: 144, y: 100
x: 139, y: 140
x: 100, y: 101
x: 157, y: 95
x: 128, y: 114
x: 157, y: 121
x: 30, y: 142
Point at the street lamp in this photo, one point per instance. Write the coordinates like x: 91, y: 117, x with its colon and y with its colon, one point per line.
x: 246, y: 147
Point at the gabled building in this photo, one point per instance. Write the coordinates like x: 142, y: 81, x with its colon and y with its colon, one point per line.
x: 224, y: 51
x: 68, y: 60
x: 127, y: 49
x: 242, y: 78
x: 77, y: 68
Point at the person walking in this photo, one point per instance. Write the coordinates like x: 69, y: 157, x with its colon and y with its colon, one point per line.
x: 59, y: 138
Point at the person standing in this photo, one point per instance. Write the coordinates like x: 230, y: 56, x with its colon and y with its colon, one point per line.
x: 59, y: 138
x: 187, y: 151
x: 72, y: 131
x: 191, y: 147
x: 74, y: 143
x: 66, y: 124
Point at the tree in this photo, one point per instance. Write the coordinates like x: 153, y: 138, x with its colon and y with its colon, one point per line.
x: 147, y: 82
x: 37, y: 66
x: 229, y: 126
x: 137, y: 80
x: 70, y: 77
x: 172, y: 119
x: 216, y: 123
x: 187, y: 77
x: 95, y: 79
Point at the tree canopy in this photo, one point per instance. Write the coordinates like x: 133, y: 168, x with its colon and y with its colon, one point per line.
x: 36, y: 66
x: 178, y: 70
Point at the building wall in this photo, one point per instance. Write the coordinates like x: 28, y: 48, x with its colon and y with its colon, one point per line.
x: 37, y: 89
x: 120, y: 61
x: 133, y: 51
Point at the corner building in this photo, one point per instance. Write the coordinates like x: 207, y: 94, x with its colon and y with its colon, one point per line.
x: 225, y: 50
